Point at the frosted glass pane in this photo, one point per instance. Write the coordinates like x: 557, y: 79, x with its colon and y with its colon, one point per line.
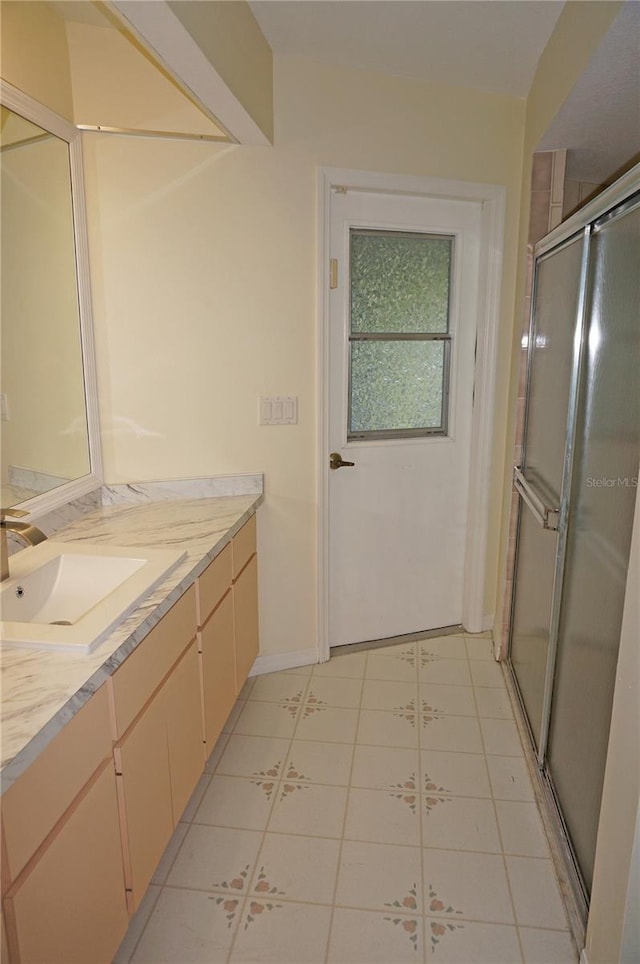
x: 396, y: 385
x: 399, y: 282
x: 555, y: 312
x: 602, y: 505
x: 557, y: 294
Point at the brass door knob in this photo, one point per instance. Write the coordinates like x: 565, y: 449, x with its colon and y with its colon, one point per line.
x: 337, y: 462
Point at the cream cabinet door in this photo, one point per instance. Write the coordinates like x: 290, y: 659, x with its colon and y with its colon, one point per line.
x: 245, y: 614
x: 218, y: 670
x: 181, y: 694
x: 144, y: 785
x: 68, y: 906
x: 39, y: 798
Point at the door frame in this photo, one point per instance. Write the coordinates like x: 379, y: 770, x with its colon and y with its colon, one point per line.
x: 492, y: 198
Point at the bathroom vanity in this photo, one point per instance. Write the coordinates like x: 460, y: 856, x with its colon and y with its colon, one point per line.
x: 102, y: 751
x: 103, y: 741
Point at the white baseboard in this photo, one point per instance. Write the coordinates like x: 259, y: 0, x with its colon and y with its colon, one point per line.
x: 487, y: 622
x: 484, y: 624
x: 305, y: 657
x: 279, y: 661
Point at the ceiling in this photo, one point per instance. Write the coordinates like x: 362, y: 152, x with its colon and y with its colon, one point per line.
x: 491, y: 45
x: 599, y: 123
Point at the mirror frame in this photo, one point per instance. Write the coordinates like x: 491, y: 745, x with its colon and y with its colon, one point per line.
x: 21, y: 103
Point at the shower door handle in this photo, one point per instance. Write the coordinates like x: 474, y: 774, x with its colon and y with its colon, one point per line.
x: 547, y: 516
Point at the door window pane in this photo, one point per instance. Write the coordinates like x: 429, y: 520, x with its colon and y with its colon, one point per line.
x: 400, y: 282
x: 397, y: 385
x: 400, y: 344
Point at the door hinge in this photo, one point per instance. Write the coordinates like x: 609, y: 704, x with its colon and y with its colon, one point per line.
x: 333, y: 273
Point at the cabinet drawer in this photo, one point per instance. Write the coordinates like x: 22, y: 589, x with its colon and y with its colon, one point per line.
x: 213, y: 584
x: 243, y: 545
x: 69, y: 907
x: 37, y: 800
x: 140, y: 675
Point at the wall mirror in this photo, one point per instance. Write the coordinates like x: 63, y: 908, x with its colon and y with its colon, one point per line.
x: 49, y: 448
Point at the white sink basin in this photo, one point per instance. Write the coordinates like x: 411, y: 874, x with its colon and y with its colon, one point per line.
x: 69, y: 596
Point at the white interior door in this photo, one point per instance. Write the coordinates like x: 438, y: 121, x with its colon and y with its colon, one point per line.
x: 403, y: 316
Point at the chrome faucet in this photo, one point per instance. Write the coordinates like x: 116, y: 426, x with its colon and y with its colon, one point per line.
x: 28, y: 533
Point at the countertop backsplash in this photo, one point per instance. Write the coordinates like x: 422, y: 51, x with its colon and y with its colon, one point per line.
x: 205, y: 488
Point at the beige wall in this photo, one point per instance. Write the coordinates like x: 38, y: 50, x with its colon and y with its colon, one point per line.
x: 35, y: 57
x: 203, y: 268
x: 115, y: 84
x: 90, y: 74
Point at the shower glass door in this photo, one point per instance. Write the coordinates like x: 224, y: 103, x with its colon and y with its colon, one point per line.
x: 555, y: 319
x: 581, y: 457
x: 602, y: 500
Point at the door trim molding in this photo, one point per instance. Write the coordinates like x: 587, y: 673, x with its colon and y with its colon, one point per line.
x: 492, y: 198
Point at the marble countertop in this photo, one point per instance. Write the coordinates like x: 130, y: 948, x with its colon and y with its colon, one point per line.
x: 43, y: 689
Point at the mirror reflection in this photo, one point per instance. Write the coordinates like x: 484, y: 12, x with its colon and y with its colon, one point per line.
x: 44, y: 436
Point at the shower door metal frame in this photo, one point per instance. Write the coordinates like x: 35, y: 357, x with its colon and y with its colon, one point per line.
x: 547, y: 247
x: 614, y: 202
x: 579, y: 336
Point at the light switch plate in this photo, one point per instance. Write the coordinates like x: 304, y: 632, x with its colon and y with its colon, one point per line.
x: 278, y: 410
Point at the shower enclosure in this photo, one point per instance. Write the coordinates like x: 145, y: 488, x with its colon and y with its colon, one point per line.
x: 577, y: 491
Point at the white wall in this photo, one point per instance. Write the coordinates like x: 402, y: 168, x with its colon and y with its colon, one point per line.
x: 203, y: 266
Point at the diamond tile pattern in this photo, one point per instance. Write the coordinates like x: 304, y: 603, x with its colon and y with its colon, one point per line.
x: 375, y: 808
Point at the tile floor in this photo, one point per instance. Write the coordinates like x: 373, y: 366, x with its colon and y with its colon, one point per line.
x: 375, y: 808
